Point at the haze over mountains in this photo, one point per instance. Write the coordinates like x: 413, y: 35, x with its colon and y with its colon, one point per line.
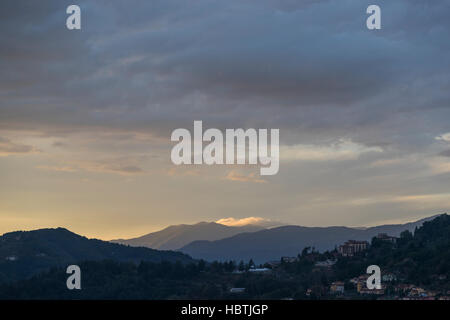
x: 214, y: 241
x: 271, y: 244
x: 176, y: 237
x: 23, y: 254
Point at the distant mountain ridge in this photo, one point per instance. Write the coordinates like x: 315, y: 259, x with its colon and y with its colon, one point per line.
x: 176, y: 237
x: 24, y: 253
x: 419, y: 261
x: 271, y: 244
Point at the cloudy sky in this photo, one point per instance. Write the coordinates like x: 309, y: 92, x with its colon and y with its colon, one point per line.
x: 86, y: 116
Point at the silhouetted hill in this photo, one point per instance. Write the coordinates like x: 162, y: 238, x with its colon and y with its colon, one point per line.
x: 271, y: 244
x: 175, y: 237
x: 24, y: 253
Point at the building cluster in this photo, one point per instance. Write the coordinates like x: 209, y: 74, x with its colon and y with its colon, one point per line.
x: 259, y: 270
x: 385, y: 237
x: 412, y: 292
x: 325, y: 264
x: 390, y: 289
x: 361, y: 286
x: 337, y: 287
x: 289, y: 259
x: 390, y: 286
x: 349, y: 248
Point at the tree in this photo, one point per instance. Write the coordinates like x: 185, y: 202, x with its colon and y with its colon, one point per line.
x: 305, y: 251
x: 201, y: 265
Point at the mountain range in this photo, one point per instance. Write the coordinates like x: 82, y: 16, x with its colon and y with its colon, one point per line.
x: 271, y: 244
x: 419, y: 262
x: 26, y: 253
x: 176, y: 237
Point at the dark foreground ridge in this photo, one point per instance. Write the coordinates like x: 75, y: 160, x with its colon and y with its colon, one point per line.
x: 26, y: 253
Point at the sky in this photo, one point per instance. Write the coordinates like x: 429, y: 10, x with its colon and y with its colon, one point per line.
x: 86, y: 115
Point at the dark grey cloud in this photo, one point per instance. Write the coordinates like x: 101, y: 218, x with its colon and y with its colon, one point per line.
x: 310, y: 68
x: 445, y: 153
x: 372, y: 107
